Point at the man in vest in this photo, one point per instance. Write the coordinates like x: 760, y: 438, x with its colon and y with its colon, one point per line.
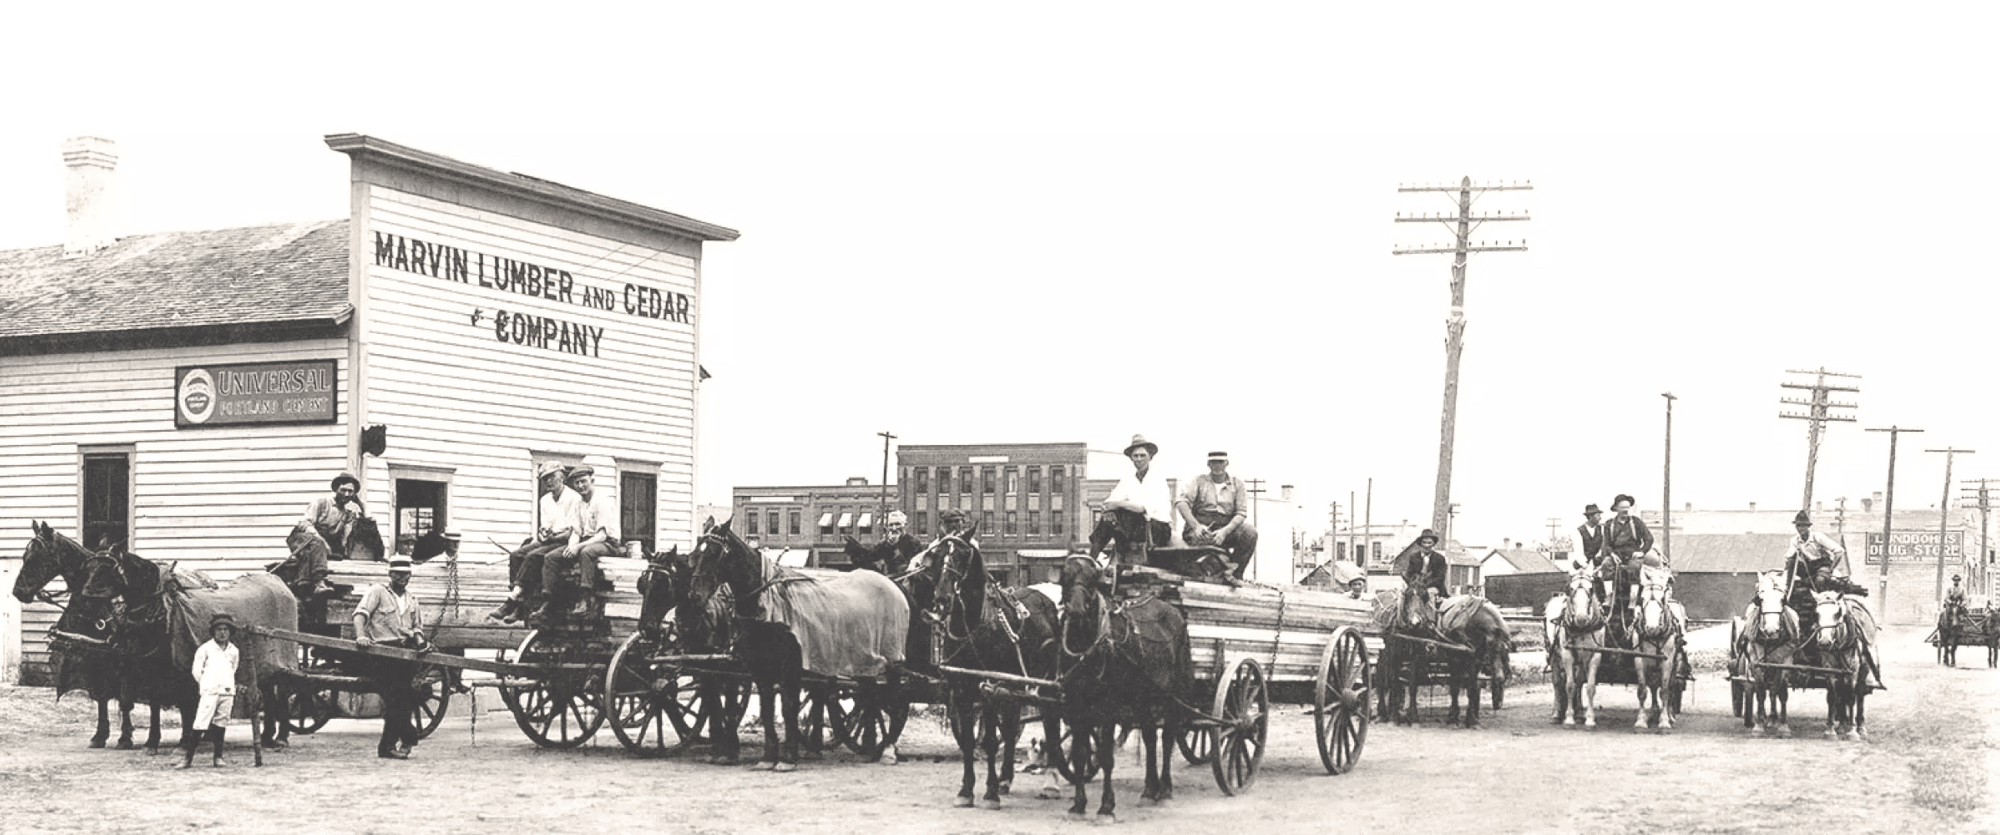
x: 1626, y: 539
x: 524, y: 565
x: 1590, y: 535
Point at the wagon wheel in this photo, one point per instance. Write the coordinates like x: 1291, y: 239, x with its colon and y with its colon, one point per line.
x: 1739, y: 693
x: 1197, y: 744
x: 308, y: 708
x: 870, y: 720
x: 1340, y: 701
x: 708, y: 701
x: 1242, y: 703
x: 1059, y: 750
x: 822, y: 719
x: 434, y: 686
x: 561, y: 709
x: 646, y: 712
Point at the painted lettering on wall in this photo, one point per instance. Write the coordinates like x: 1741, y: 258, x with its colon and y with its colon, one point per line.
x: 544, y: 332
x: 464, y: 266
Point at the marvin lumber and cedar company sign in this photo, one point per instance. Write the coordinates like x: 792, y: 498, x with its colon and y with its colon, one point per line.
x: 254, y: 393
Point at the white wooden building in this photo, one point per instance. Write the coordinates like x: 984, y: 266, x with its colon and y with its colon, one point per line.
x: 190, y: 393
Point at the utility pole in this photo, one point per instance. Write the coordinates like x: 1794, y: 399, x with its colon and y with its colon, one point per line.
x: 1332, y: 529
x: 1667, y: 487
x: 1350, y: 530
x: 883, y: 510
x: 1840, y: 520
x: 1888, y: 515
x: 1462, y: 223
x: 1981, y: 495
x: 1368, y: 520
x: 1819, y: 413
x: 1256, y: 487
x: 1944, y: 515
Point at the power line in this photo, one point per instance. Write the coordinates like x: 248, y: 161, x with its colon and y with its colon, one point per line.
x: 1462, y: 225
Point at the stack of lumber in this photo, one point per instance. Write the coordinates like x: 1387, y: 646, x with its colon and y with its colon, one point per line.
x: 460, y: 620
x: 1293, y: 623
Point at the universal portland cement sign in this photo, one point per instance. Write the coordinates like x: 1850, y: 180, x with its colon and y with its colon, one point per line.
x: 265, y: 392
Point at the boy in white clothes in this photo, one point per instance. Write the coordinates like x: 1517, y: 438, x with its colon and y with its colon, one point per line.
x: 215, y: 674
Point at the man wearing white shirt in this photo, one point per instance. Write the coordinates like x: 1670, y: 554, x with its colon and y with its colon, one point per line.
x: 1139, y: 512
x: 593, y: 535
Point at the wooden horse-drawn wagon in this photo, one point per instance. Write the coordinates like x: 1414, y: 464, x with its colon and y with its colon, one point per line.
x: 1773, y: 654
x: 1966, y: 627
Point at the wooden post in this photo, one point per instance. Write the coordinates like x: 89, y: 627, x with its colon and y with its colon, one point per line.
x: 1944, y: 516
x: 1819, y: 411
x: 882, y: 508
x: 1667, y: 487
x: 1888, y: 516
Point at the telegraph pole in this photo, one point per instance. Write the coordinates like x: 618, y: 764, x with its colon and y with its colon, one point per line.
x: 1944, y: 515
x: 1368, y: 520
x: 1332, y: 528
x: 1350, y: 529
x: 883, y: 510
x: 1819, y: 412
x: 1667, y: 487
x: 1256, y: 487
x: 1982, y: 495
x: 1461, y: 225
x: 1888, y: 516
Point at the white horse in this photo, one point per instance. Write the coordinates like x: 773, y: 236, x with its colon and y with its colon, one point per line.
x: 1657, y: 628
x: 1581, y: 633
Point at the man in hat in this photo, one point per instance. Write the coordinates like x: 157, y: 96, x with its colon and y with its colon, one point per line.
x: 1139, y: 512
x: 321, y: 532
x: 1626, y: 539
x: 389, y: 614
x: 214, y: 672
x: 524, y: 564
x: 593, y: 535
x: 1590, y: 535
x: 892, y: 554
x: 1424, y: 567
x: 1214, y: 510
x: 1814, y: 562
x: 1954, y: 597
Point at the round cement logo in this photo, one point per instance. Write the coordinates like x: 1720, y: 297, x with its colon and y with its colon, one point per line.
x: 196, y: 398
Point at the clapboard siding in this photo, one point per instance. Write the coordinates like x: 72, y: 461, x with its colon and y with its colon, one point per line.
x: 221, y: 497
x: 457, y: 398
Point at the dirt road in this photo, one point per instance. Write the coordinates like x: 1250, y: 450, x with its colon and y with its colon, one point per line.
x: 1932, y: 765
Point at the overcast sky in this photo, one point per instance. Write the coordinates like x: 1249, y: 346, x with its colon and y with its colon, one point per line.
x: 1077, y: 221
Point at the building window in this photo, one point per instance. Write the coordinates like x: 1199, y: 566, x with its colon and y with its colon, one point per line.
x: 1375, y: 548
x: 1056, y: 479
x: 1055, y: 523
x: 923, y: 524
x: 638, y: 506
x: 792, y: 521
x: 1013, y: 523
x: 1013, y: 480
x: 923, y: 484
x: 107, y: 500
x: 772, y: 518
x: 965, y: 475
x: 1034, y: 523
x: 986, y: 478
x: 1035, y: 480
x: 420, y: 512
x: 846, y: 521
x: 826, y: 523
x: 750, y: 523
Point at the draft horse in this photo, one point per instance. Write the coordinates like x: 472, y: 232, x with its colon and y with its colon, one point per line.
x: 1772, y: 637
x: 1477, y: 624
x: 82, y: 656
x: 1845, y: 639
x: 1656, y: 629
x: 1403, y: 615
x: 1951, y: 623
x: 1579, y: 626
x: 1130, y: 665
x: 786, y: 623
x: 980, y: 626
x: 165, y: 623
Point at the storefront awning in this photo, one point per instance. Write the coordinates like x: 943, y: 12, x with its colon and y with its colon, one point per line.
x: 1043, y: 553
x: 826, y: 519
x: 845, y: 518
x: 867, y: 520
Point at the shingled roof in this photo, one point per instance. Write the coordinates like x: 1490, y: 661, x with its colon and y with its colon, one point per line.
x: 218, y: 279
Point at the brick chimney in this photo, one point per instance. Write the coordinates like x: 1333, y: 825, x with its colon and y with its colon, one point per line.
x: 92, y: 194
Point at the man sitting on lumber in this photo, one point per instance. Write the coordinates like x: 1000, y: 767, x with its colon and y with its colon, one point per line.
x: 524, y: 564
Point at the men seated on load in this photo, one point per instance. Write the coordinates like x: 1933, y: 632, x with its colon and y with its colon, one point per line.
x: 571, y: 573
x: 891, y: 555
x: 1138, y: 514
x: 1626, y: 539
x: 1814, y: 563
x: 1423, y: 567
x: 1590, y: 535
x: 524, y: 564
x: 324, y: 530
x: 1215, y: 511
x: 1954, y: 597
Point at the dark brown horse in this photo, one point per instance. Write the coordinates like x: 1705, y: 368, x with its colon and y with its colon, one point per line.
x: 786, y: 624
x: 1483, y: 630
x: 81, y: 655
x: 981, y: 626
x: 1951, y: 623
x: 1133, y: 666
x: 165, y: 623
x: 1406, y: 619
